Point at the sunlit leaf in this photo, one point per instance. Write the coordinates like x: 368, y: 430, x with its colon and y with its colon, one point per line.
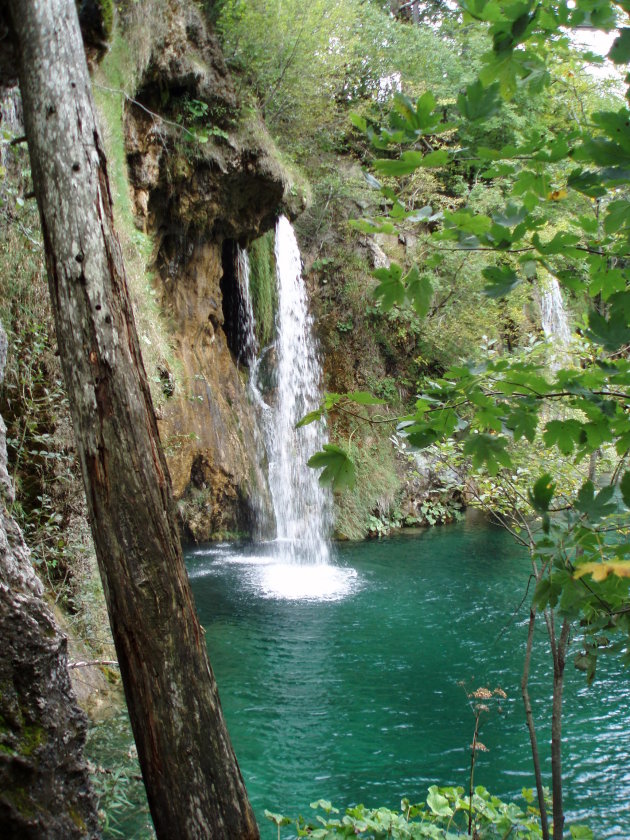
x: 600, y: 571
x: 338, y: 468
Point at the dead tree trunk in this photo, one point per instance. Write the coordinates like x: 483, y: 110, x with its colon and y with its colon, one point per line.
x: 193, y: 782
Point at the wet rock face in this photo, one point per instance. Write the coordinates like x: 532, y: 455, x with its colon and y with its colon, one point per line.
x: 44, y: 784
x: 192, y: 195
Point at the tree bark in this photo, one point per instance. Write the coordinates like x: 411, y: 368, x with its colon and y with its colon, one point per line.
x: 544, y: 823
x: 556, y: 729
x: 193, y: 782
x: 45, y: 791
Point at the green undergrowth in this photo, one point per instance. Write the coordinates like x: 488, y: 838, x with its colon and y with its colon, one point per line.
x: 370, y: 506
x: 263, y: 287
x: 447, y: 813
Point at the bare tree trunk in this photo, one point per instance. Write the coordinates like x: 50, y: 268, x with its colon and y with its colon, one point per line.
x: 193, y: 782
x: 559, y: 661
x: 544, y: 823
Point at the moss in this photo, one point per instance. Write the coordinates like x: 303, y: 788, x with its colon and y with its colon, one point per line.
x: 114, y: 80
x: 76, y: 818
x: 107, y: 16
x: 112, y: 676
x: 263, y: 287
x: 33, y: 736
x: 20, y: 800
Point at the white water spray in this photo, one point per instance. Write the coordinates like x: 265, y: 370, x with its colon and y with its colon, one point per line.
x: 248, y: 349
x: 301, y: 506
x: 554, y: 321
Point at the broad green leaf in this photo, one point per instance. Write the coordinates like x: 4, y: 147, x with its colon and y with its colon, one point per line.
x: 620, y: 50
x: 522, y: 423
x: 562, y: 243
x: 565, y: 434
x: 338, y: 468
x: 541, y: 494
x: 278, y: 819
x: 612, y: 333
x: 438, y: 804
x: 438, y: 158
x: 408, y: 162
x: 489, y: 451
x: 419, y: 291
x: 624, y: 486
x: 391, y: 289
x: 617, y: 215
x: 479, y: 102
x: 364, y: 398
x: 311, y: 417
x: 581, y: 832
x: 358, y: 121
x: 595, y: 506
x: 502, y: 281
x: 325, y: 805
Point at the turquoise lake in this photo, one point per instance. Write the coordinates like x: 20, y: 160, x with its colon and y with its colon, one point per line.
x: 350, y: 683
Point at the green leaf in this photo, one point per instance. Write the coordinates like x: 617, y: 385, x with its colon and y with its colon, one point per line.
x: 624, y: 486
x: 612, y: 333
x: 617, y: 215
x: 437, y: 158
x: 419, y: 291
x: 488, y: 450
x: 581, y: 832
x: 311, y: 417
x: 479, y: 102
x: 364, y: 398
x: 620, y: 50
x: 358, y: 121
x: 339, y: 471
x: 278, y: 819
x: 542, y: 593
x: 408, y: 162
x: 438, y: 804
x: 391, y: 289
x: 522, y: 423
x: 325, y: 805
x: 502, y: 281
x: 595, y: 506
x: 562, y: 243
x: 541, y: 493
x: 565, y: 434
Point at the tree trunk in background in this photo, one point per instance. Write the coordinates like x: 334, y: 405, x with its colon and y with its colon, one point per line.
x: 193, y: 782
x: 45, y: 789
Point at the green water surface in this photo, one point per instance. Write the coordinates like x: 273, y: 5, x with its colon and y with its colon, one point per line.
x: 355, y: 693
x: 351, y: 683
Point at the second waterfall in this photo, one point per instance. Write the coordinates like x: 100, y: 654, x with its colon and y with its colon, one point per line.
x: 301, y: 506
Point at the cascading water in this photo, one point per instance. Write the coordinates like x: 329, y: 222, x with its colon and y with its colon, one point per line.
x: 248, y: 349
x: 554, y: 320
x: 301, y: 506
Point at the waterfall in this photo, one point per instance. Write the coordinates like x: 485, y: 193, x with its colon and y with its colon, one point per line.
x: 554, y: 321
x: 248, y: 346
x: 301, y: 506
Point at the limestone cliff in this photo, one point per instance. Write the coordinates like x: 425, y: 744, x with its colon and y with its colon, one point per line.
x: 204, y: 176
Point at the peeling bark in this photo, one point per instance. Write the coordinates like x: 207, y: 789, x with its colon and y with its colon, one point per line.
x: 194, y: 786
